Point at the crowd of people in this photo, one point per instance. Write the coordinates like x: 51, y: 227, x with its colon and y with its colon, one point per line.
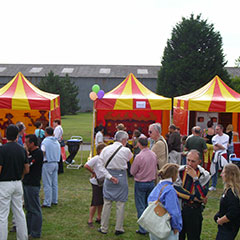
x: 25, y: 160
x: 174, y: 170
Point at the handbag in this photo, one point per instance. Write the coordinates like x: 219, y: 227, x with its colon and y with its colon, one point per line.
x: 156, y: 219
x: 100, y: 181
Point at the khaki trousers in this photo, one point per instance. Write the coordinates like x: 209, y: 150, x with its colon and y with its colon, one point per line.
x: 106, y: 214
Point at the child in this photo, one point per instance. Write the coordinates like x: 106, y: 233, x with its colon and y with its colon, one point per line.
x: 97, y: 195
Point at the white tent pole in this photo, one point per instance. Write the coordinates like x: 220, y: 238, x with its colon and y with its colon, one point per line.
x: 188, y: 123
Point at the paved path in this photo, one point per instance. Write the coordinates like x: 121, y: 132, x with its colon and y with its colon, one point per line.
x: 84, y: 147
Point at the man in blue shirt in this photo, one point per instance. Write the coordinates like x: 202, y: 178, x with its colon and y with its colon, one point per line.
x: 52, y: 152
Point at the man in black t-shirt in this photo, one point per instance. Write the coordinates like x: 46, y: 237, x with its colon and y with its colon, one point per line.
x: 13, y: 165
x: 31, y: 187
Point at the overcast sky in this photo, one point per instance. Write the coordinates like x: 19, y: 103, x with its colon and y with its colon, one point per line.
x: 126, y: 32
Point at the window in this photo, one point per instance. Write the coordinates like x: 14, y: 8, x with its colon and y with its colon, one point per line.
x: 36, y: 70
x: 67, y: 70
x: 105, y: 70
x: 2, y: 69
x: 142, y: 71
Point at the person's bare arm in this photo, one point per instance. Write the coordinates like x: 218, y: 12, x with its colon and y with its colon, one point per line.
x: 26, y: 169
x: 0, y: 169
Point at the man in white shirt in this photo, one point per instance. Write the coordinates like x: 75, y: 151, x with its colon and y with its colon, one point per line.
x: 58, y: 133
x: 99, y: 135
x: 220, y: 145
x: 117, y: 190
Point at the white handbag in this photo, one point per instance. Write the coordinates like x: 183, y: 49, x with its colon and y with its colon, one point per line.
x: 155, y: 219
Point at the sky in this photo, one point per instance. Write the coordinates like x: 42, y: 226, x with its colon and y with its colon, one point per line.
x: 125, y: 32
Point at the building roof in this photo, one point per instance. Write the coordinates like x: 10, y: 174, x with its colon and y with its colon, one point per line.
x: 88, y: 71
x: 106, y: 71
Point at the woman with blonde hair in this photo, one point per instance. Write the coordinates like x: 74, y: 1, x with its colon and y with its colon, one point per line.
x: 168, y: 175
x: 229, y: 213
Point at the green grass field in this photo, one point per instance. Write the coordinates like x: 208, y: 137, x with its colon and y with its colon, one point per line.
x: 68, y: 220
x: 77, y: 125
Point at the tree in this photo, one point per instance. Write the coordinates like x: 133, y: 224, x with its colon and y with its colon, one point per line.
x: 65, y: 88
x: 192, y: 57
x: 237, y: 62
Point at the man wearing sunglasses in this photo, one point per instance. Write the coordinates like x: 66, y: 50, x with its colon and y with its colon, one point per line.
x: 159, y: 147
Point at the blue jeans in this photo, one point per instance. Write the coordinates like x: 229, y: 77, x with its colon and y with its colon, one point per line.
x: 33, y: 208
x: 50, y: 183
x: 215, y: 177
x: 142, y: 191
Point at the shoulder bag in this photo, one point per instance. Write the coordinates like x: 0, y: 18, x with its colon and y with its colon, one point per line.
x: 155, y: 219
x: 100, y: 181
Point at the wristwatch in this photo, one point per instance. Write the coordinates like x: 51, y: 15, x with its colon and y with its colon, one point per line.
x: 195, y: 179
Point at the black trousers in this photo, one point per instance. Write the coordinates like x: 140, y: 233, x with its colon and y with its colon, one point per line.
x: 226, y: 234
x: 192, y: 223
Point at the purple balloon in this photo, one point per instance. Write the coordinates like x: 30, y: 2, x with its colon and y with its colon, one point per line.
x: 100, y: 94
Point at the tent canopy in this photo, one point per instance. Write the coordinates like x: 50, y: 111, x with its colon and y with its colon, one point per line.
x: 20, y: 94
x: 20, y: 100
x: 132, y: 95
x: 215, y: 96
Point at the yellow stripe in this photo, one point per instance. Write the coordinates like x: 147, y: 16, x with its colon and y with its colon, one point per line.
x: 232, y: 104
x: 6, y: 87
x: 156, y: 102
x: 125, y: 101
x: 40, y: 92
x: 19, y: 99
x: 202, y: 103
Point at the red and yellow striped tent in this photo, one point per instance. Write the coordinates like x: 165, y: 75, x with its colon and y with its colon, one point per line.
x: 215, y: 96
x: 20, y: 100
x: 134, y: 105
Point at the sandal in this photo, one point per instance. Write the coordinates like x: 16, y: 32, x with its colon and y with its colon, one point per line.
x: 98, y: 220
x: 90, y: 224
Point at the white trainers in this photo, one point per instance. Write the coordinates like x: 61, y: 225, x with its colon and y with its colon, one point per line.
x: 212, y: 188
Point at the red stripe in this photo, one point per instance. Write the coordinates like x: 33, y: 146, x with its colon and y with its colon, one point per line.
x: 218, y: 103
x: 200, y: 191
x: 137, y: 95
x: 6, y: 98
x: 36, y: 101
x: 231, y: 91
x: 119, y: 90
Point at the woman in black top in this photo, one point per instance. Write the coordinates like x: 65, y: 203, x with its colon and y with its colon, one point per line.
x: 229, y: 213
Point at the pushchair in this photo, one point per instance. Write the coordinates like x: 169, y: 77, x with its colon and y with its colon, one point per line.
x: 74, y: 144
x: 233, y: 159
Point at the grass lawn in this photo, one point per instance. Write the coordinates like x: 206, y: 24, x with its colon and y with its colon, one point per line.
x: 77, y: 125
x: 68, y: 220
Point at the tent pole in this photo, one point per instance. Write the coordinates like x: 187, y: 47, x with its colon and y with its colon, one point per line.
x: 188, y: 118
x: 93, y: 127
x: 49, y: 118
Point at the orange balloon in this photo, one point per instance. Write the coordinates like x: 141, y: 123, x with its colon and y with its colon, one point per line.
x: 93, y: 96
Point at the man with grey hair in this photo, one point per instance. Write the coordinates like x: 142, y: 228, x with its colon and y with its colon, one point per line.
x: 159, y: 147
x: 113, y: 164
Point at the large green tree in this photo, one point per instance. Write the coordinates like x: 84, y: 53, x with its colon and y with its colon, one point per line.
x: 67, y: 90
x: 192, y: 57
